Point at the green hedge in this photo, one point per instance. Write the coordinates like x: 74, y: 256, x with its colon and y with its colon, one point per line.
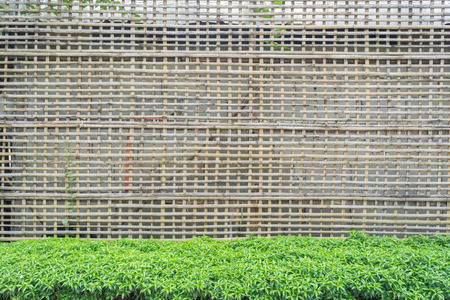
x: 360, y: 267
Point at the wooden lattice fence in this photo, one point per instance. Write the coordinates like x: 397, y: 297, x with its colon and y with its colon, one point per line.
x: 175, y: 119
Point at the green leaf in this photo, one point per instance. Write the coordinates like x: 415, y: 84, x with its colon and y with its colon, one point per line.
x: 278, y: 2
x: 73, y: 196
x: 64, y: 222
x: 68, y: 203
x: 284, y: 267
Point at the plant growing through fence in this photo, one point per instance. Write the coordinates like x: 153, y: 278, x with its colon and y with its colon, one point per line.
x: 67, y: 4
x: 107, y: 5
x: 69, y: 180
x: 268, y: 16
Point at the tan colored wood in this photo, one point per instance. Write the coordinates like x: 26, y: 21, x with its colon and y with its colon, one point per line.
x: 314, y: 118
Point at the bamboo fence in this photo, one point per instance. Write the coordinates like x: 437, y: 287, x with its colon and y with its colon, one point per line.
x: 224, y: 118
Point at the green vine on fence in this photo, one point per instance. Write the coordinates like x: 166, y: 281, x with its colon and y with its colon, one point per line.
x: 69, y: 179
x: 269, y: 16
x: 67, y: 4
x: 103, y: 4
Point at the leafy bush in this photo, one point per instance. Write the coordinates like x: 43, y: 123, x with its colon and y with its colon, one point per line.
x: 361, y: 267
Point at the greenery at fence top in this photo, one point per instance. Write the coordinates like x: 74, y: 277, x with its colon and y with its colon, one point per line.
x: 56, y: 7
x: 66, y: 6
x: 117, y: 6
x: 360, y: 267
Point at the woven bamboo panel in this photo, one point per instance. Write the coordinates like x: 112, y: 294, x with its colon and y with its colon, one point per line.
x: 224, y: 118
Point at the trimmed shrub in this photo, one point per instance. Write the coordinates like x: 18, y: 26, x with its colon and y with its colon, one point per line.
x: 360, y: 267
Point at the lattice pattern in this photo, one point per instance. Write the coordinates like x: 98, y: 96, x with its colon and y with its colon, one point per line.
x: 224, y: 118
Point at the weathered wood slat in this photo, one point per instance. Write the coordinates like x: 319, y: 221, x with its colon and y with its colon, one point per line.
x: 146, y: 119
